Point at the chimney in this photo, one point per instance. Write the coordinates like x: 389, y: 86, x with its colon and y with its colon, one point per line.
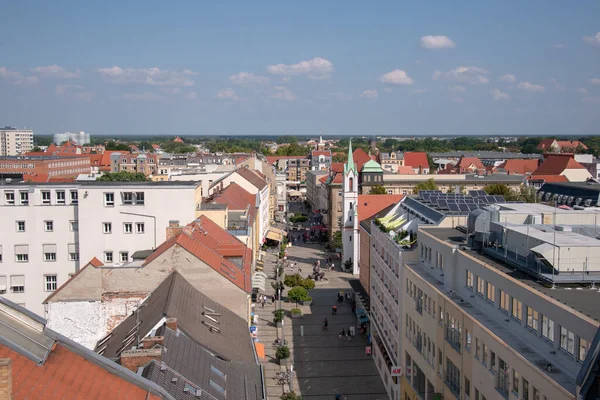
x: 134, y: 359
x: 173, y: 229
x: 6, y: 379
x: 152, y: 341
x: 171, y: 324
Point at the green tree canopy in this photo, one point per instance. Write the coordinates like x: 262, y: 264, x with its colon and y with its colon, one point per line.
x: 498, y: 189
x: 340, y: 157
x: 147, y: 146
x: 298, y: 294
x: 290, y: 396
x: 112, y: 145
x: 294, y: 149
x: 377, y: 189
x: 123, y: 176
x: 429, y: 184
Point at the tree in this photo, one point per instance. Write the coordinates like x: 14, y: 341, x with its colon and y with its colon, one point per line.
x: 340, y: 157
x: 377, y: 189
x: 282, y: 352
x: 298, y: 294
x: 112, y: 145
x: 123, y: 176
x: 36, y: 149
x: 429, y: 184
x: 292, y: 280
x: 146, y: 146
x: 290, y: 396
x: 498, y: 189
x: 336, y: 240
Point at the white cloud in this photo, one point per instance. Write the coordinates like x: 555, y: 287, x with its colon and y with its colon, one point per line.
x: 370, y: 94
x: 510, y: 78
x: 594, y: 81
x: 190, y: 96
x: 315, y: 68
x: 247, y: 79
x: 558, y: 46
x: 147, y: 76
x: 557, y: 86
x: 227, y: 94
x: 497, y: 94
x: 283, y: 93
x: 54, y: 71
x: 437, y: 42
x: 148, y: 96
x: 396, y: 77
x: 582, y: 90
x: 530, y: 87
x: 593, y: 40
x: 473, y: 75
x: 457, y: 89
x: 17, y: 78
x: 419, y: 91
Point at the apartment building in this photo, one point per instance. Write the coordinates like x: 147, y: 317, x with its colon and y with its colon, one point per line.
x: 508, y: 313
x: 15, y: 141
x: 297, y: 169
x: 144, y: 163
x: 46, y: 229
x: 47, y: 166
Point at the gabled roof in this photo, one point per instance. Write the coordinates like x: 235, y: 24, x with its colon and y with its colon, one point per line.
x: 516, y: 166
x: 570, y: 145
x: 178, y: 140
x: 371, y: 166
x: 360, y: 158
x: 317, y: 153
x: 68, y: 370
x: 252, y: 177
x: 416, y: 159
x: 405, y: 170
x: 215, y: 247
x: 545, y: 144
x: 465, y: 162
x: 370, y: 204
x: 549, y: 178
x: 236, y: 197
x: 556, y: 164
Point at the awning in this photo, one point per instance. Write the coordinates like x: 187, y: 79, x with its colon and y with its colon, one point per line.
x: 260, y: 265
x: 276, y: 234
x: 363, y: 319
x: 294, y: 193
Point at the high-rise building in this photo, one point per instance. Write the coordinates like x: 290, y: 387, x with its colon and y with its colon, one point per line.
x: 79, y: 138
x: 15, y: 141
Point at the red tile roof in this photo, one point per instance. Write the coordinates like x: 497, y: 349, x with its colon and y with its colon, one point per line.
x: 317, y: 153
x: 566, y: 145
x: 67, y: 375
x: 178, y: 140
x: 465, y: 162
x: 518, y: 166
x: 213, y: 245
x: 323, y: 178
x: 556, y: 164
x: 371, y: 204
x: 155, y: 146
x: 549, y: 178
x: 416, y: 159
x: 406, y: 170
x: 236, y: 197
x: 252, y: 177
x: 360, y: 158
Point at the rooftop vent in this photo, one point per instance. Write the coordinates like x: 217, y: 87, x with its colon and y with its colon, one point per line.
x: 563, y: 228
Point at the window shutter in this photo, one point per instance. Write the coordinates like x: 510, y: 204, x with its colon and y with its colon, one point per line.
x: 49, y: 248
x: 72, y: 248
x: 2, y: 283
x: 22, y: 249
x: 17, y: 280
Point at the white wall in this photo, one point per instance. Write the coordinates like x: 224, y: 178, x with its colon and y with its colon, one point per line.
x: 205, y: 179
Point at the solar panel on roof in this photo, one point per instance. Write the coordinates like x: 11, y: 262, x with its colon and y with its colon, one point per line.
x: 499, y: 199
x: 443, y: 204
x: 463, y: 207
x: 472, y: 206
x: 453, y: 207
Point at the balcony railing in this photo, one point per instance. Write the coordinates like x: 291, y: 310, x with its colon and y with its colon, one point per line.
x: 453, y: 386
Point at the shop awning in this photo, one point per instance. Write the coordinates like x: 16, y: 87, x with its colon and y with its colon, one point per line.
x: 260, y: 265
x: 294, y: 193
x: 276, y: 234
x: 364, y: 318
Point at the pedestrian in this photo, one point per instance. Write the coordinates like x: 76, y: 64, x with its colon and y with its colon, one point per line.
x: 343, y: 332
x: 340, y: 336
x: 333, y: 310
x: 263, y: 302
x: 273, y: 299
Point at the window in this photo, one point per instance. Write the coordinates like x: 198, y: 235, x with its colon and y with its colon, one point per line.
x: 51, y: 283
x: 107, y: 227
x: 515, y: 381
x: 108, y: 257
x: 547, y: 328
x: 74, y: 256
x: 74, y: 197
x: 24, y: 198
x: 567, y: 340
x: 9, y: 198
x: 503, y: 377
x: 109, y: 199
x: 467, y: 339
x: 139, y: 198
x: 20, y: 226
x: 485, y: 354
x: 0, y: 253
x: 49, y: 226
x: 453, y: 331
x: 127, y: 197
x: 477, y: 348
x: 60, y: 197
x: 73, y: 226
x: 2, y: 284
x: 517, y: 309
x: 504, y: 301
x: 22, y: 253
x: 49, y: 256
x: 124, y: 256
x: 452, y: 377
x: 532, y: 318
x: 45, y: 197
x: 493, y: 361
x: 480, y: 286
x: 127, y: 227
x: 583, y: 348
x: 139, y: 227
x: 536, y: 394
x: 17, y: 283
x: 467, y: 387
x: 469, y: 279
x: 525, y: 389
x: 491, y: 292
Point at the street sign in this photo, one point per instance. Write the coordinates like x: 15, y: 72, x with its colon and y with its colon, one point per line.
x: 396, y: 371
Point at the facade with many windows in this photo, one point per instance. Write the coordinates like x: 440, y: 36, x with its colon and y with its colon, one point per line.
x: 47, y: 229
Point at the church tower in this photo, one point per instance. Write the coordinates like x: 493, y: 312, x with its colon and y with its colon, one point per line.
x: 350, y: 238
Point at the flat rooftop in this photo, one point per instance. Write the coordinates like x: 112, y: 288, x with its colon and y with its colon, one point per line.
x: 99, y: 183
x: 41, y: 158
x: 577, y: 296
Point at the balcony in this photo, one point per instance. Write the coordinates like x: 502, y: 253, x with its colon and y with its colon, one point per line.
x: 453, y: 386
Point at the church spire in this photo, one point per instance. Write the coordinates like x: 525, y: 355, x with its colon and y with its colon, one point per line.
x: 350, y: 163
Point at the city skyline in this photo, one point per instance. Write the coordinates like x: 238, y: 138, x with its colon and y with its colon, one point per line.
x: 274, y: 69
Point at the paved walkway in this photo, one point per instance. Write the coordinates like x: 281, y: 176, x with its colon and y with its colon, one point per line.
x: 323, y: 364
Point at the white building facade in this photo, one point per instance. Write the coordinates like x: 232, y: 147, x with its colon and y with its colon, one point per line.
x: 15, y: 141
x: 350, y: 233
x: 80, y: 138
x: 46, y: 230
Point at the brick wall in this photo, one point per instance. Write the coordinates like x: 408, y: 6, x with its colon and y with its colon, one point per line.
x: 6, y: 379
x: 134, y: 359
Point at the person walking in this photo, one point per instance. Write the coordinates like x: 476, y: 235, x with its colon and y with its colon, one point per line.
x: 333, y: 310
x: 325, y: 325
x: 272, y: 299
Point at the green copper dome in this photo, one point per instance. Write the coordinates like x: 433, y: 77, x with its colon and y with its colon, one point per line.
x: 371, y: 166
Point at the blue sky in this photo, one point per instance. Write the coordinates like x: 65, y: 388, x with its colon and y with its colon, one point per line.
x: 274, y: 67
